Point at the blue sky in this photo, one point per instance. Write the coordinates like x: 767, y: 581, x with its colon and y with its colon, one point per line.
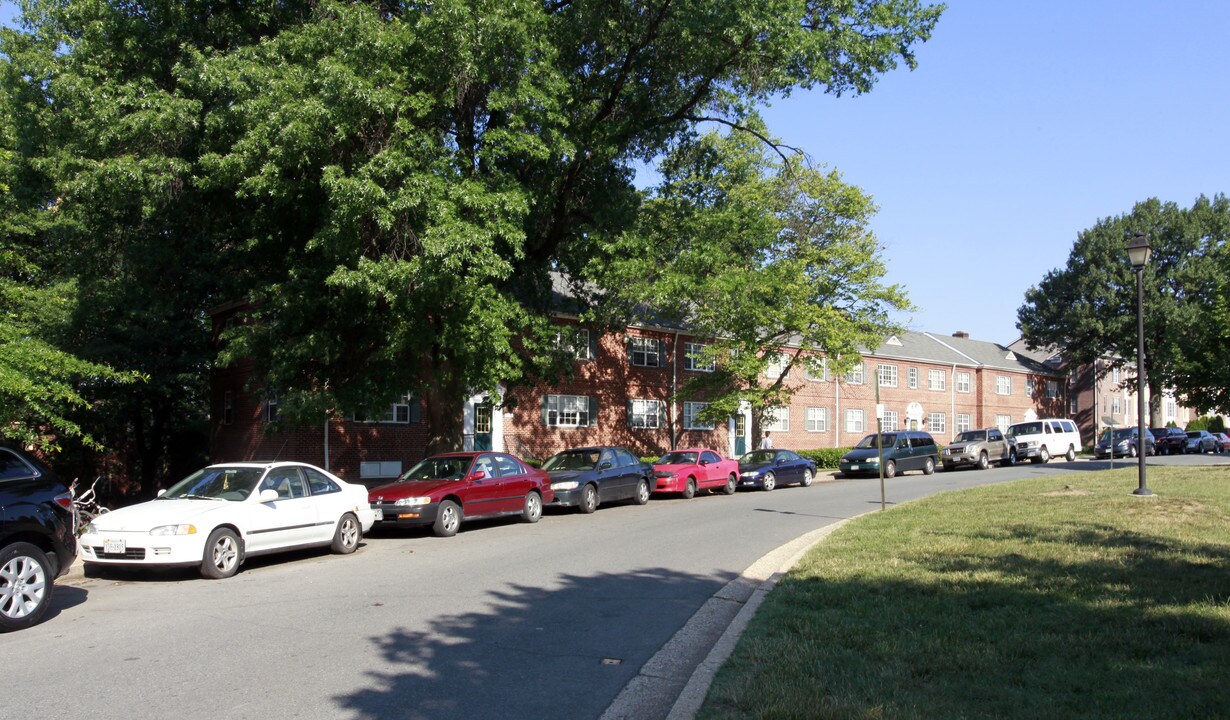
x: 1024, y: 124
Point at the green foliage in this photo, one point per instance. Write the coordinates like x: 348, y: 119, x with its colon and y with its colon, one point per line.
x: 1212, y: 423
x: 1217, y: 424
x: 825, y: 457
x: 1089, y: 307
x: 758, y: 252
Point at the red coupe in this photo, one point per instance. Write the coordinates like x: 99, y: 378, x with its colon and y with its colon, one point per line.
x: 443, y: 490
x: 686, y: 471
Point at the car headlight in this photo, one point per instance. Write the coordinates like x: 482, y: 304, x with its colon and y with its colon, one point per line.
x: 90, y: 529
x: 165, y: 530
x: 664, y: 474
x: 413, y: 501
x: 564, y: 485
x: 751, y: 474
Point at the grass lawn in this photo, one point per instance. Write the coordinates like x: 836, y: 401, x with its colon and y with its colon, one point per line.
x: 1060, y: 597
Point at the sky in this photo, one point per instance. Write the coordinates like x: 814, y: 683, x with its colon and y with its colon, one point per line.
x: 1024, y: 123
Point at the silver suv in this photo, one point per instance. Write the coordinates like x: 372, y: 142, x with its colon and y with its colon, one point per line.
x: 979, y: 448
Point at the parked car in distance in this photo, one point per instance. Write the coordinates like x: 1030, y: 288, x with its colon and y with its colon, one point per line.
x: 444, y: 490
x: 691, y: 469
x: 587, y: 477
x: 219, y: 516
x: 1224, y: 439
x: 979, y: 448
x: 766, y: 469
x: 38, y: 540
x: 1041, y: 440
x: 904, y: 450
x: 1123, y: 442
x: 1201, y: 441
x: 1169, y: 440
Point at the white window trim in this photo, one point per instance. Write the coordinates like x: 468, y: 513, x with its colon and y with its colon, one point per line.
x: 887, y: 375
x: 650, y: 414
x: 937, y: 380
x: 817, y: 419
x: 857, y: 375
x: 1003, y: 385
x: 963, y: 382
x: 855, y: 421
x: 937, y: 422
x: 578, y: 344
x: 647, y: 347
x: 559, y: 410
x: 693, y: 356
x: 912, y: 378
x: 781, y: 419
x: 690, y: 411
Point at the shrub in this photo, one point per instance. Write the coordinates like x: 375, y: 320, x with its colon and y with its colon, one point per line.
x: 825, y: 457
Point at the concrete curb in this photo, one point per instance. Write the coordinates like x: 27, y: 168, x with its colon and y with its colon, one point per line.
x: 677, y: 674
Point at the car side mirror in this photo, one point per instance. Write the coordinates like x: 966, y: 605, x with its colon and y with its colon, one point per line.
x: 268, y: 495
x: 161, y: 492
x: 478, y: 475
x: 605, y: 466
x: 703, y: 462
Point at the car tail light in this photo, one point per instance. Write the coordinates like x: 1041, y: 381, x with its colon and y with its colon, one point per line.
x: 64, y: 500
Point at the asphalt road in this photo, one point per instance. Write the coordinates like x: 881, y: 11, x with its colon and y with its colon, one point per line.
x: 505, y: 620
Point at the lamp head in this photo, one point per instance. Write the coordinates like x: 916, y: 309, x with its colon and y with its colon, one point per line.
x: 1139, y: 251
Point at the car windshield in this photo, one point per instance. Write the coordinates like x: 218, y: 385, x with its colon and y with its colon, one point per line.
x: 890, y: 440
x: 216, y: 483
x: 1194, y: 434
x: 678, y: 458
x: 758, y: 457
x: 1120, y: 434
x: 438, y: 468
x: 972, y: 436
x: 573, y: 460
x: 1029, y: 428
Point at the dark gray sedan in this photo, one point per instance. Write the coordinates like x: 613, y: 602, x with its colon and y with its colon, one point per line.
x: 587, y: 477
x: 766, y: 469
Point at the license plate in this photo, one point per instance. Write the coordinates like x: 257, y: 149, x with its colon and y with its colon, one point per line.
x: 854, y: 467
x: 115, y: 547
x: 379, y: 514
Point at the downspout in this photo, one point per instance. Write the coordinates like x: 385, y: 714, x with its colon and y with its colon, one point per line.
x: 952, y: 402
x: 327, y: 443
x: 674, y: 429
x: 837, y: 422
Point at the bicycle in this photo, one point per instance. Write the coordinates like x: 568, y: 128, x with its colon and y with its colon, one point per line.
x: 86, y: 505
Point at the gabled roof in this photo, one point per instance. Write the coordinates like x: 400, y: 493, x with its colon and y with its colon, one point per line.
x: 960, y: 351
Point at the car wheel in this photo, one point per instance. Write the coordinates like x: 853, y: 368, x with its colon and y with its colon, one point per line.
x: 589, y: 499
x: 807, y: 477
x: 346, y: 537
x: 25, y: 586
x: 1044, y: 455
x: 1071, y: 454
x: 1131, y: 451
x: 642, y: 492
x: 929, y: 467
x: 1010, y: 460
x: 221, y: 554
x: 689, y: 490
x: 533, y: 507
x: 983, y: 461
x: 768, y: 482
x: 448, y: 519
x: 732, y: 484
x: 890, y: 469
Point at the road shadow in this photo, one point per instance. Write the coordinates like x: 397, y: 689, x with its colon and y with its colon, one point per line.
x: 561, y: 652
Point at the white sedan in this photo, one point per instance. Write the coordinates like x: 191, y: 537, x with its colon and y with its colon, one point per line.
x: 223, y: 514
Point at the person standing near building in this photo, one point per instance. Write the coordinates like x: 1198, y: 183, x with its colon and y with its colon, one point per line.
x: 766, y: 442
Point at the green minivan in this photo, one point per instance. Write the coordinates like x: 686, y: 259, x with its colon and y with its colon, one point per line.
x: 904, y: 450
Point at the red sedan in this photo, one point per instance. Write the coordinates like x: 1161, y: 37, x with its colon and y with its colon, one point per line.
x: 443, y: 490
x: 686, y: 471
x: 1223, y: 440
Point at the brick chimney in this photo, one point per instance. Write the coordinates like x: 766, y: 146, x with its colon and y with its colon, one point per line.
x: 961, y: 334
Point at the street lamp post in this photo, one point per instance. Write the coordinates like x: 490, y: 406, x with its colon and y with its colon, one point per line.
x: 1138, y: 253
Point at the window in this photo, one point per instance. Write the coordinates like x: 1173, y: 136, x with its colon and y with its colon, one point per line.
x: 912, y: 378
x: 962, y: 380
x: 888, y: 375
x: 777, y: 419
x: 566, y: 411
x: 645, y: 352
x: 508, y: 466
x: 1003, y: 385
x: 271, y: 409
x: 817, y: 419
x: 576, y: 341
x: 889, y: 420
x: 696, y: 359
x: 1116, y: 375
x: 1172, y: 408
x: 228, y: 407
x: 1030, y: 386
x: 319, y: 483
x: 1052, y: 389
x: 645, y: 413
x: 777, y: 364
x: 937, y: 423
x: 1002, y: 422
x: 1072, y: 406
x: 1115, y: 408
x: 963, y: 422
x: 855, y: 376
x: 482, y: 419
x: 817, y: 370
x: 405, y: 410
x: 937, y: 379
x: 690, y: 412
x: 854, y: 421
x: 13, y: 467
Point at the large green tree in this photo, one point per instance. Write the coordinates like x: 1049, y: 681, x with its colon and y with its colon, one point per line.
x: 1088, y: 307
x: 390, y: 184
x: 766, y: 255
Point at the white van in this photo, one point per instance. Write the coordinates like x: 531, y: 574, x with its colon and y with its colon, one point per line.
x: 1041, y: 440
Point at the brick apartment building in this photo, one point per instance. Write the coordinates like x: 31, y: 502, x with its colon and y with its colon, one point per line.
x: 624, y: 392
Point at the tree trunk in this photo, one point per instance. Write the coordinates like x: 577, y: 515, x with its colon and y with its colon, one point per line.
x: 442, y: 415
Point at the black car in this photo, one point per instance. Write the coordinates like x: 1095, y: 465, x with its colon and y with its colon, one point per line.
x: 587, y: 477
x: 38, y: 540
x: 1123, y: 443
x: 767, y: 469
x: 1169, y: 440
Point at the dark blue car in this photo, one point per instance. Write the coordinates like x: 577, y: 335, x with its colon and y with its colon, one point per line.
x: 587, y: 477
x: 769, y: 468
